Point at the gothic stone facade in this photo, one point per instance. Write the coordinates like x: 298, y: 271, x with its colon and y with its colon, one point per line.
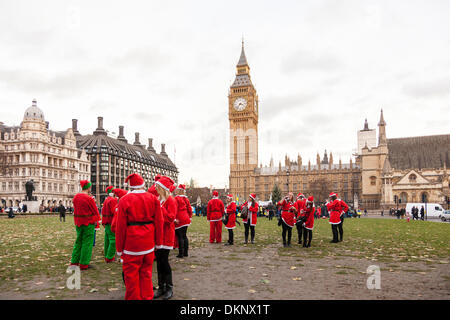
x: 50, y: 158
x: 245, y: 175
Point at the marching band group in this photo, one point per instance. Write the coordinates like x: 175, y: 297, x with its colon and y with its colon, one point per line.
x: 144, y: 225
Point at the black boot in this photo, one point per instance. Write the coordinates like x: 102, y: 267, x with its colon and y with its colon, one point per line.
x: 180, y: 252
x: 185, y: 252
x: 161, y: 287
x: 168, y: 293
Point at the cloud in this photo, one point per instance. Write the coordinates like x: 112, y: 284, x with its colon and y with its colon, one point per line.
x: 430, y: 89
x: 303, y: 60
x: 287, y: 106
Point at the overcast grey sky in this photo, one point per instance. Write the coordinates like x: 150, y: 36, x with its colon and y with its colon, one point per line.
x: 163, y: 68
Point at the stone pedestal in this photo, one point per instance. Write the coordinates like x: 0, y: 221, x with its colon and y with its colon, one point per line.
x: 32, y: 206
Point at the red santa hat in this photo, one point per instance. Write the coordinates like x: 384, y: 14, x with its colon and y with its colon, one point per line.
x: 157, y: 177
x: 165, y: 182
x: 253, y: 196
x: 152, y: 190
x: 215, y: 193
x: 182, y: 187
x: 300, y: 195
x: 109, y: 189
x: 333, y: 194
x: 85, y: 184
x: 119, y: 192
x: 172, y: 188
x: 135, y: 181
x: 230, y: 196
x: 310, y: 199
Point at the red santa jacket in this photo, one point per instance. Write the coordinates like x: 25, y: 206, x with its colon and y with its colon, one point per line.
x: 138, y: 207
x: 169, y: 212
x: 252, y: 212
x: 182, y: 212
x: 299, y: 206
x: 309, y: 214
x: 287, y: 214
x: 231, y: 211
x: 215, y: 209
x: 336, y: 208
x: 85, y: 210
x: 108, y: 210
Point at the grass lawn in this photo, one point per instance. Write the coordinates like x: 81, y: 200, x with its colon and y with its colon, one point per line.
x: 36, y: 247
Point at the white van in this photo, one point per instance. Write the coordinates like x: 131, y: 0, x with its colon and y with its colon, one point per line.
x: 432, y: 210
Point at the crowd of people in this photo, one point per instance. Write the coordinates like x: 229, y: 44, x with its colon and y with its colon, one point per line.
x: 145, y: 225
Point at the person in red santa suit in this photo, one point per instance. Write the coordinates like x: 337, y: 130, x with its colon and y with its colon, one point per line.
x: 164, y: 187
x: 139, y: 229
x: 308, y: 221
x: 250, y: 220
x: 287, y: 218
x: 299, y: 213
x: 119, y: 193
x: 336, y: 207
x: 214, y: 212
x: 108, y: 211
x: 182, y: 220
x: 86, y: 218
x: 231, y: 217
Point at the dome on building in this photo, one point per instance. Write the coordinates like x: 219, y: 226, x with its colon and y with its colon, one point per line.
x: 33, y: 113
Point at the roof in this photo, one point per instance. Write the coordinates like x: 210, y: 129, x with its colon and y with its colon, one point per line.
x: 241, y: 80
x: 95, y: 143
x: 242, y: 59
x: 419, y: 152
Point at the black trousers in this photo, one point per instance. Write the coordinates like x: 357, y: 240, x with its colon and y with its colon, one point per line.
x: 252, y: 230
x: 183, y: 241
x: 299, y: 231
x: 341, y: 229
x: 62, y: 216
x: 307, y: 237
x: 288, y: 230
x: 163, y: 267
x: 334, y: 229
x: 230, y: 236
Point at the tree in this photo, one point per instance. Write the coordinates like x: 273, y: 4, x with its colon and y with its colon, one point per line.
x: 276, y: 193
x: 192, y: 183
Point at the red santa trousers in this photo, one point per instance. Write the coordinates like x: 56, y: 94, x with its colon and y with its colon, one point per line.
x: 215, y: 231
x: 138, y: 276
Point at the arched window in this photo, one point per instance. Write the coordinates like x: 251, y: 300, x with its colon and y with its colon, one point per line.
x: 373, y: 180
x: 412, y: 178
x: 424, y: 197
x: 403, y: 197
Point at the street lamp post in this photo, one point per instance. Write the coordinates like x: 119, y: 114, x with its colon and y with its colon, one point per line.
x: 287, y: 173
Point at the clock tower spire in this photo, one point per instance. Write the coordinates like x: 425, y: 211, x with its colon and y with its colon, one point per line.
x: 243, y: 117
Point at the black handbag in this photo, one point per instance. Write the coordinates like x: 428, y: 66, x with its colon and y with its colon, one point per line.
x: 225, y: 219
x: 244, y: 213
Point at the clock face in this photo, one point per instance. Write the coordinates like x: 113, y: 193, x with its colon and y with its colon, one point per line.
x: 240, y: 104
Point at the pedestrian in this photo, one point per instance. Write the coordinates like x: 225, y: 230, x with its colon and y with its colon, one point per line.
x: 270, y: 208
x: 86, y: 216
x: 422, y: 213
x: 215, y: 211
x: 182, y: 220
x: 164, y: 187
x: 250, y: 220
x: 287, y: 220
x: 308, y: 221
x: 299, y: 206
x: 230, y: 219
x: 139, y: 230
x: 365, y: 212
x: 336, y: 207
x: 108, y: 211
x: 62, y: 212
x: 382, y: 212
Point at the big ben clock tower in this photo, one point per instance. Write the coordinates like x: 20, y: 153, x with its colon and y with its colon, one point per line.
x: 243, y: 116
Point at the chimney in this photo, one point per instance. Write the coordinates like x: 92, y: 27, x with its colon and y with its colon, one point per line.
x: 121, y: 137
x: 99, y: 130
x: 163, y: 149
x: 136, y: 140
x: 75, y: 127
x: 150, y: 145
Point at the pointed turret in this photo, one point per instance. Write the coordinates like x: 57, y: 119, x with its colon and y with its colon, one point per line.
x: 387, y: 166
x: 382, y: 130
x: 242, y: 59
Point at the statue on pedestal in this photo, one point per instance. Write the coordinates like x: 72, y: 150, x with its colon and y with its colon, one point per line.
x: 29, y: 187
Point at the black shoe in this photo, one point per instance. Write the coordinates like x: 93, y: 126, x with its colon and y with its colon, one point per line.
x: 160, y: 291
x: 334, y: 241
x: 300, y: 242
x: 179, y: 255
x: 169, y: 292
x: 228, y: 244
x: 185, y: 255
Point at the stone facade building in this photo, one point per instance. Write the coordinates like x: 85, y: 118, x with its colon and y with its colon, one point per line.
x: 246, y: 177
x: 50, y: 158
x: 401, y: 170
x: 113, y: 159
